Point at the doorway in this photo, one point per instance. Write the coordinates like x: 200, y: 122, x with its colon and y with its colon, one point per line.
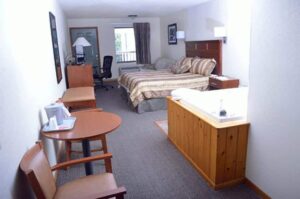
x: 91, y: 53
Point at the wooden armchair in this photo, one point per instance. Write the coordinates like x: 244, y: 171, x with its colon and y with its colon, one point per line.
x: 39, y: 173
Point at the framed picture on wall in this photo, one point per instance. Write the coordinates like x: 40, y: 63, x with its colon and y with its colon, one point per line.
x: 55, y: 47
x: 172, y: 29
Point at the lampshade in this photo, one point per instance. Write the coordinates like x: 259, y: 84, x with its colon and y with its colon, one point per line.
x: 180, y: 34
x: 220, y: 31
x: 81, y: 41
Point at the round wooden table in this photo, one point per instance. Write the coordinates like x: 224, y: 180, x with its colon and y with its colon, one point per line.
x: 88, y: 125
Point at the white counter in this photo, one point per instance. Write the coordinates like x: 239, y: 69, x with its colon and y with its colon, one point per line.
x: 233, y: 101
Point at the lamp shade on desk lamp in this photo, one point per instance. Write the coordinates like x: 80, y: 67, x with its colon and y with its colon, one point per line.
x: 81, y: 41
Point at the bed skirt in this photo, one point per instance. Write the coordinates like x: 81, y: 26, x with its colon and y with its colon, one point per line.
x: 148, y: 105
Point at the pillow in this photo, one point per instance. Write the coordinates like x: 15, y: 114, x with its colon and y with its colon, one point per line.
x: 195, y: 58
x: 203, y: 66
x: 184, y: 60
x: 175, y: 69
x: 182, y: 66
x: 180, y: 61
x: 163, y: 63
x: 179, y: 70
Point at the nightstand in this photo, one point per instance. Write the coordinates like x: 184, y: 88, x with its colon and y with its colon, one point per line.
x: 222, y: 82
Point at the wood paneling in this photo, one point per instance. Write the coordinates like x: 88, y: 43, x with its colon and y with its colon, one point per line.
x: 206, y: 49
x: 217, y: 152
x: 231, y: 151
x: 221, y: 155
x: 241, y: 152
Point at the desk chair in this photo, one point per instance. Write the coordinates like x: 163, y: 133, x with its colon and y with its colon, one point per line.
x: 104, y: 72
x: 39, y: 174
x: 80, y: 95
x: 79, y: 98
x: 80, y: 76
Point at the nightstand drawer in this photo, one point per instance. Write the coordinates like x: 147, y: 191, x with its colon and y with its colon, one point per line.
x: 215, y: 83
x: 221, y: 84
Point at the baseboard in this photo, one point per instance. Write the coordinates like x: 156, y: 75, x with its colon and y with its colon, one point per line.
x: 256, y: 189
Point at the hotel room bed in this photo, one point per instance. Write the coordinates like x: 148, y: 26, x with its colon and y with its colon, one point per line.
x: 146, y: 90
x: 142, y: 86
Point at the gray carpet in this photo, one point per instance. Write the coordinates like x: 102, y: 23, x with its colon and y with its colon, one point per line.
x: 145, y: 162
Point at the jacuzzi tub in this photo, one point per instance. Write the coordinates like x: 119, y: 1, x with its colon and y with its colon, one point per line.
x: 233, y: 101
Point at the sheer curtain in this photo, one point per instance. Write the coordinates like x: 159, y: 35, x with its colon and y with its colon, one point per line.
x: 142, y: 42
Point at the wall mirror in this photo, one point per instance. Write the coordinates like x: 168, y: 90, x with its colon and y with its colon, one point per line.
x: 91, y: 53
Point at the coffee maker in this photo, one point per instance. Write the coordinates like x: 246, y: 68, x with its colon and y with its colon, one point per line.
x: 58, y: 112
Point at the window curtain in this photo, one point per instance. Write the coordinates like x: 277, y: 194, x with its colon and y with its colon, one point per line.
x: 142, y: 42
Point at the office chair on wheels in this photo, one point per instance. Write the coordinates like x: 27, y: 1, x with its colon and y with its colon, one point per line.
x: 104, y: 72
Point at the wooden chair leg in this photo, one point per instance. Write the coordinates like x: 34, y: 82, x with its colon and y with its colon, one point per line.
x: 108, y: 167
x: 102, y: 139
x: 104, y: 144
x: 120, y: 196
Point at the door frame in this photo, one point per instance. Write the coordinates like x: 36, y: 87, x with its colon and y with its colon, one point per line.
x: 95, y: 27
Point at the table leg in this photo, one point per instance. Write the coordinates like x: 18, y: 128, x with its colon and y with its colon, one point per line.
x: 87, y: 153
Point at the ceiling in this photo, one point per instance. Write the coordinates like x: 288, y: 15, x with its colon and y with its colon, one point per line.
x: 123, y: 8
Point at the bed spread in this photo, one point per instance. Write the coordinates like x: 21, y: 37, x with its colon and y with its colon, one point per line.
x: 157, y: 84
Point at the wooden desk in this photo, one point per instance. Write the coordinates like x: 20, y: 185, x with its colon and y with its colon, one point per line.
x: 88, y: 125
x: 80, y: 76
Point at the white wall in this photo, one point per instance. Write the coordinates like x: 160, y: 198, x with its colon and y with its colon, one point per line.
x: 172, y: 51
x: 273, y: 154
x: 28, y: 83
x: 107, y: 39
x: 198, y: 23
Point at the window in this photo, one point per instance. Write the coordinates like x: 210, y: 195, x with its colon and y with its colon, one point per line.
x: 125, y: 45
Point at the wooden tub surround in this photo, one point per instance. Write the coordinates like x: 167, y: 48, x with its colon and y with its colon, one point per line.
x: 217, y: 150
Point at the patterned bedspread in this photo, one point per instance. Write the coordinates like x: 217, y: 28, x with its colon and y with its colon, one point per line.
x: 157, y: 84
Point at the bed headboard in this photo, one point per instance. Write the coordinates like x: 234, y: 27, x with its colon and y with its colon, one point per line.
x: 206, y: 49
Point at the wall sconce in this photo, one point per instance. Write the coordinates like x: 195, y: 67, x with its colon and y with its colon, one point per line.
x: 221, y: 32
x: 180, y: 34
x: 79, y: 44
